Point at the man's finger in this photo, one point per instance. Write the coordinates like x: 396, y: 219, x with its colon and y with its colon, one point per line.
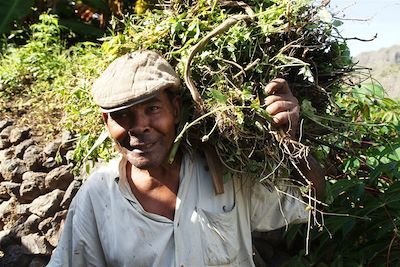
x: 277, y: 86
x: 280, y: 106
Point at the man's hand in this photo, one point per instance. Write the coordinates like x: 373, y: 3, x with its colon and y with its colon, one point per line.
x: 282, y: 105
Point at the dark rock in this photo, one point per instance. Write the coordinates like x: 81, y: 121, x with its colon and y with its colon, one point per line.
x: 32, y: 222
x: 70, y: 193
x: 6, y: 154
x: 53, y: 222
x: 3, y: 192
x: 36, y: 244
x: 32, y: 186
x: 59, y: 177
x: 5, y: 123
x: 13, y: 169
x: 7, y: 215
x: 33, y: 158
x: 15, y: 256
x: 57, y: 223
x: 53, y: 235
x: 5, y: 133
x: 50, y: 163
x: 9, y: 189
x: 52, y: 148
x: 22, y: 209
x: 66, y: 137
x: 26, y: 225
x: 39, y: 261
x: 66, y: 142
x: 46, y: 205
x: 7, y: 237
x: 4, y: 143
x: 21, y: 147
x: 17, y: 135
x: 45, y: 225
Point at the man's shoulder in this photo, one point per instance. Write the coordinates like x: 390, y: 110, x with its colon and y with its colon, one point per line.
x: 102, y: 176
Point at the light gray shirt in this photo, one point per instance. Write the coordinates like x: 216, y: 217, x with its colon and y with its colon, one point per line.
x: 107, y: 226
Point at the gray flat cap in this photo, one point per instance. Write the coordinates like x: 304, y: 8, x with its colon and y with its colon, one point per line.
x: 133, y: 78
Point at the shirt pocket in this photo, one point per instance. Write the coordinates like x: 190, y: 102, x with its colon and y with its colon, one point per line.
x: 219, y: 237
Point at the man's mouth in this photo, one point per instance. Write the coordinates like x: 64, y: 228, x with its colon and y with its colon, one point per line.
x: 142, y: 147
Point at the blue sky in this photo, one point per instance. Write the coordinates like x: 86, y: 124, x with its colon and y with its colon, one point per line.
x: 365, y: 18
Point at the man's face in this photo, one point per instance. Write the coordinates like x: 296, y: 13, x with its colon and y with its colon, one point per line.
x: 145, y: 132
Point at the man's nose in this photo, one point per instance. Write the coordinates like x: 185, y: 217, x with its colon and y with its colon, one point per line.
x: 139, y: 124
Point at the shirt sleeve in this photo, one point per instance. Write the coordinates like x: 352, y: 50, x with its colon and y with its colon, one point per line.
x: 79, y: 244
x: 273, y: 207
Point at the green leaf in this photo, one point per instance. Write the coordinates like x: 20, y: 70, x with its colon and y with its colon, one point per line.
x: 218, y: 96
x: 337, y: 23
x: 11, y: 11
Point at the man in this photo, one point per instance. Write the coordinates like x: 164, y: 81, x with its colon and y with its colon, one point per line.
x: 140, y: 210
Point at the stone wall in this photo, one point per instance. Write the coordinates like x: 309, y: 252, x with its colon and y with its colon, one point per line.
x: 35, y: 193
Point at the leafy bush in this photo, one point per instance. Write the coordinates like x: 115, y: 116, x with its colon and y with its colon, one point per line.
x: 51, y: 83
x: 360, y: 225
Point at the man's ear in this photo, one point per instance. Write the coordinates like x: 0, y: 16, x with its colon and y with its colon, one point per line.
x: 177, y: 105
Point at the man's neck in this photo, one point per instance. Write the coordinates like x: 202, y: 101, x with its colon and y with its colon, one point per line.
x: 156, y: 190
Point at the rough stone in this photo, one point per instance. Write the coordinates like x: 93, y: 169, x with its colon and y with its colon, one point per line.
x: 66, y: 137
x: 32, y: 201
x: 32, y: 186
x: 32, y: 223
x: 9, y: 189
x: 6, y: 154
x: 17, y: 135
x: 21, y: 147
x: 3, y: 192
x: 36, y: 244
x: 33, y: 158
x: 52, y: 222
x: 19, y: 227
x: 5, y: 133
x: 39, y: 262
x: 6, y: 237
x: 22, y: 209
x: 59, y: 177
x: 5, y: 123
x: 51, y: 148
x: 27, y: 225
x: 50, y: 163
x: 7, y: 217
x: 15, y: 256
x: 55, y: 228
x: 53, y: 235
x: 70, y: 193
x: 4, y: 143
x: 13, y: 169
x: 46, y: 205
x: 45, y: 225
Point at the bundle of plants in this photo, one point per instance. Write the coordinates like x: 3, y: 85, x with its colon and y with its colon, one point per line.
x: 226, y: 52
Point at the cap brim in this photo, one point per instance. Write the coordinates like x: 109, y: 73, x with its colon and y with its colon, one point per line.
x: 127, y: 105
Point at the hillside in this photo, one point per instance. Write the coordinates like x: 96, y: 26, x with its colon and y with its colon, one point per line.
x: 385, y: 67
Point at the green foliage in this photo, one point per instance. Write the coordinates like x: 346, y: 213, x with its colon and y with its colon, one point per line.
x: 54, y: 82
x: 232, y: 69
x: 40, y: 60
x: 361, y: 223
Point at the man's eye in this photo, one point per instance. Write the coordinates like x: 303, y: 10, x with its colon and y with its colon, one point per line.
x: 154, y: 108
x: 118, y: 115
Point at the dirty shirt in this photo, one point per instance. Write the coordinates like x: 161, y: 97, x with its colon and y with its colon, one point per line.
x: 107, y: 226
